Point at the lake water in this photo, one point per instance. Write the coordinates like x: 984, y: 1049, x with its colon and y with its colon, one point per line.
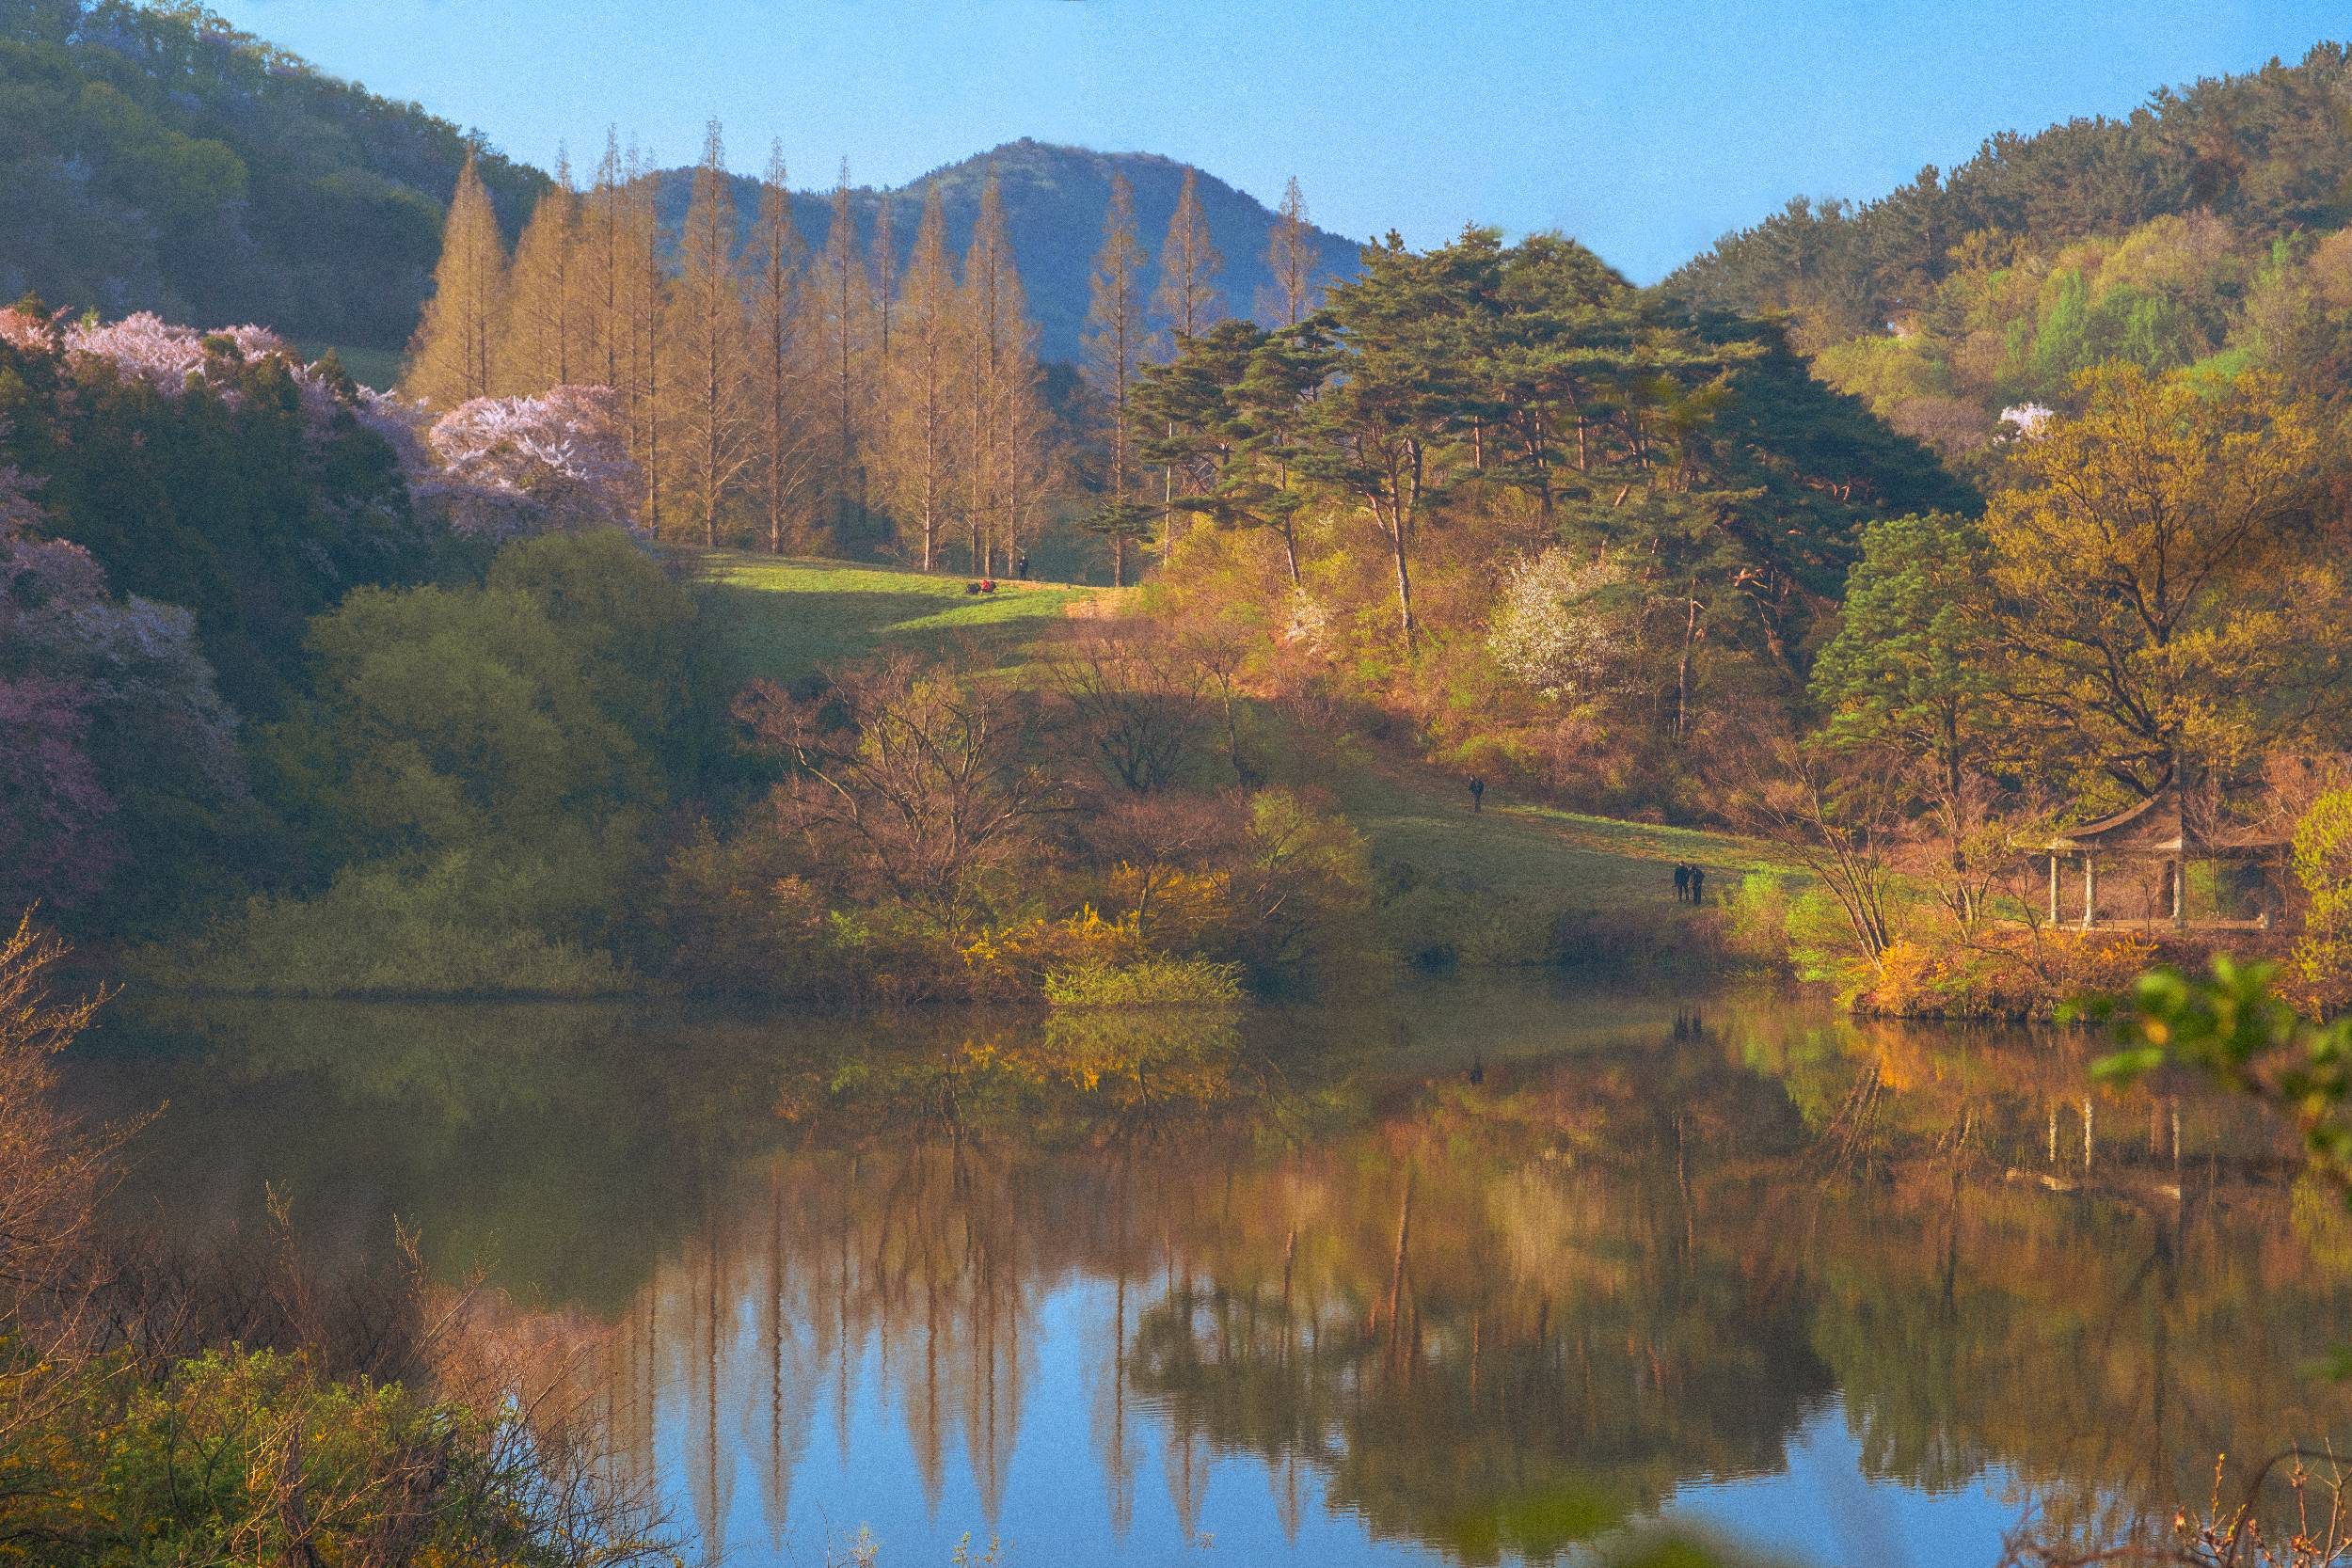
x: 1480, y: 1272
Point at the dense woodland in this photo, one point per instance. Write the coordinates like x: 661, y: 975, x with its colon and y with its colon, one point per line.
x: 158, y: 159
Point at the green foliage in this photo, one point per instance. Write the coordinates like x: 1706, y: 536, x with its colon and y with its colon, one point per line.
x: 2322, y: 861
x: 494, y: 718
x: 454, y: 925
x: 2265, y: 152
x: 477, y: 770
x: 2233, y: 1026
x: 1759, y: 918
x: 242, y: 498
x: 1157, y: 981
x: 158, y: 159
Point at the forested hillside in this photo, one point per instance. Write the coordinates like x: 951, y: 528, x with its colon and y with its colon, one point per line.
x: 1055, y: 201
x: 156, y: 159
x: 2204, y: 228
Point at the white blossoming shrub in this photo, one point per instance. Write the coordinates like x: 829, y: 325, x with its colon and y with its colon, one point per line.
x: 512, y: 467
x: 1565, y: 625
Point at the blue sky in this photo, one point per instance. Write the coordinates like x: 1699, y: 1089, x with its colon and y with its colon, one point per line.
x: 1646, y: 130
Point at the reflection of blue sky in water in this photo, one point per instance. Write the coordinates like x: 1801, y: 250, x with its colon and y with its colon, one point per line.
x: 1821, y: 1510
x: 1693, y: 1253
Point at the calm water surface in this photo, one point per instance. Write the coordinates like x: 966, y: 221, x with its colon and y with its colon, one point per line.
x: 1481, y: 1271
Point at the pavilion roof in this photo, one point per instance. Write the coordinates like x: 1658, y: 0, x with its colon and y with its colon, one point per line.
x: 2160, y: 826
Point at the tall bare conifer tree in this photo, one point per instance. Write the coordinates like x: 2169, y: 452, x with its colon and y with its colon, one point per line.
x: 922, y: 371
x: 1290, y: 256
x: 1188, y: 300
x: 644, y: 295
x: 598, y: 269
x: 711, y: 425
x: 1005, y: 456
x: 539, y: 343
x: 450, y: 359
x: 843, y: 300
x: 775, y: 263
x: 1113, y: 344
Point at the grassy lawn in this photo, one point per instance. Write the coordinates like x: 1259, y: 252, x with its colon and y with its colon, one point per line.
x: 1539, y: 853
x: 784, y: 616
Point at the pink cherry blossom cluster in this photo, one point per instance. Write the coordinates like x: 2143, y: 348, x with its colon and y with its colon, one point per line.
x: 152, y: 349
x: 551, y: 464
x: 23, y: 330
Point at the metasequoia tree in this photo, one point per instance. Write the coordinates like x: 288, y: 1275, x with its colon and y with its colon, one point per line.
x: 1290, y: 256
x: 711, y: 426
x: 1187, y: 298
x: 920, y: 448
x: 1186, y: 301
x: 786, y: 460
x: 450, y: 361
x: 644, y: 287
x: 842, y: 300
x: 1113, y: 344
x: 540, y: 339
x: 598, y: 269
x: 1002, y: 422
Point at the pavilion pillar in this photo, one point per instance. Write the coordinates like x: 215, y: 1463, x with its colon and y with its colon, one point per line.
x: 2091, y: 889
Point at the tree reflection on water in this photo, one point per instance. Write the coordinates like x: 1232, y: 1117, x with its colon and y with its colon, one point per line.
x: 1493, y: 1270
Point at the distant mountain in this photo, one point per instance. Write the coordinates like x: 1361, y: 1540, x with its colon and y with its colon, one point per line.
x: 1054, y: 202
x: 158, y: 159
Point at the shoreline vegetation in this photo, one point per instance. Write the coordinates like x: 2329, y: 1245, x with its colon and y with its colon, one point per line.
x: 720, y: 608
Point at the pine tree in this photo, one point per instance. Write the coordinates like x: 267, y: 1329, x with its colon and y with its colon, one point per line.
x: 450, y: 357
x: 1290, y: 256
x: 784, y: 459
x: 922, y: 372
x: 704, y: 331
x: 538, y: 342
x: 842, y: 297
x: 1113, y: 342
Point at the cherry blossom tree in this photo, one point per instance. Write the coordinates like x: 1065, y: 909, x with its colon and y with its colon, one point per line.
x: 1564, y: 624
x: 507, y: 467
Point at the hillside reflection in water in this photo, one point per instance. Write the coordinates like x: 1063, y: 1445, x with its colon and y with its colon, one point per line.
x: 1481, y: 1271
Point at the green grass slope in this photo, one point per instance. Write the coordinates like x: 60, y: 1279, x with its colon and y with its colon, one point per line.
x: 782, y: 617
x: 1502, y: 876
x: 1539, y: 853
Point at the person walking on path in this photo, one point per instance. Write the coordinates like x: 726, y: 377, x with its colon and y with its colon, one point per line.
x: 1698, y: 884
x: 1478, y: 795
x: 1682, y: 885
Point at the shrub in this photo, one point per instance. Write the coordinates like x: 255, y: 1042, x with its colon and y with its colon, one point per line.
x: 456, y: 928
x: 1153, y: 982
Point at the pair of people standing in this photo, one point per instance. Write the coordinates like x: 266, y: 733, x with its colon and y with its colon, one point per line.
x: 1689, y: 884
